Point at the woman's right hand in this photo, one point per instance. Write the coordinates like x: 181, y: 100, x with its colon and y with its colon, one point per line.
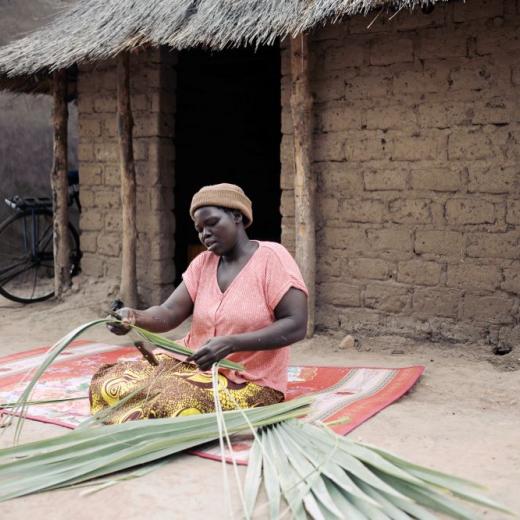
x: 128, y: 317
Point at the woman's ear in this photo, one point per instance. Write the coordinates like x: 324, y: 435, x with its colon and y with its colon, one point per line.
x: 237, y: 216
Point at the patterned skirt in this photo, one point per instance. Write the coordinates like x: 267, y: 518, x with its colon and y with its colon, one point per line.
x: 170, y: 389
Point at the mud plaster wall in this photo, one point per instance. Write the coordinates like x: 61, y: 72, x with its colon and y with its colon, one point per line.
x: 416, y: 152
x: 152, y: 87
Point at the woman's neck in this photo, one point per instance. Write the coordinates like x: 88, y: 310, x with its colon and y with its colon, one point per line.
x: 243, y: 247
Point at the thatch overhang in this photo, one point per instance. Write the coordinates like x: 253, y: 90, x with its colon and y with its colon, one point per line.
x: 96, y: 30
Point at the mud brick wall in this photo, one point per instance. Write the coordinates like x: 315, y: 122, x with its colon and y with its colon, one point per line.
x: 152, y: 87
x: 417, y: 156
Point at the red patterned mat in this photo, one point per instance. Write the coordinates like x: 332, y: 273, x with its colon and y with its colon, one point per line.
x: 356, y: 393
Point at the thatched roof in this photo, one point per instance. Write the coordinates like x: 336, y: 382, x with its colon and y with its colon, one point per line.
x: 94, y: 30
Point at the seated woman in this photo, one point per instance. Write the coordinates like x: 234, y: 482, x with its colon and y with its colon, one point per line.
x: 248, y: 302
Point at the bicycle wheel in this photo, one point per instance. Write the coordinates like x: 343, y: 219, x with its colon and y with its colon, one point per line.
x: 26, y: 256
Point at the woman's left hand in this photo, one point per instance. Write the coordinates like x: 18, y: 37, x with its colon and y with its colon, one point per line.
x: 212, y: 351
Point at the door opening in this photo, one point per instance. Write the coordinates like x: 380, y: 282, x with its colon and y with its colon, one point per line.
x: 227, y: 129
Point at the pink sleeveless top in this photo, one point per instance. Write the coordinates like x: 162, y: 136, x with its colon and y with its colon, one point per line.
x: 247, y: 305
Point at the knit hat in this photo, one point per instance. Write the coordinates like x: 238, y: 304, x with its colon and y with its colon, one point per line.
x: 224, y: 195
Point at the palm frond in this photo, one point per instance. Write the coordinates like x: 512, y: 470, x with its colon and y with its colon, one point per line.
x: 334, y: 477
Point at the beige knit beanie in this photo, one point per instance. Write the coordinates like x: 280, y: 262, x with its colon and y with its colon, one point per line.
x: 224, y: 195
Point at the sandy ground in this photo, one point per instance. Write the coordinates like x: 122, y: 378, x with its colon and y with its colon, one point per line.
x: 462, y: 417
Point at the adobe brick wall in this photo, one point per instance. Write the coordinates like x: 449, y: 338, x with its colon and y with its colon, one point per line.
x: 152, y: 87
x: 417, y: 154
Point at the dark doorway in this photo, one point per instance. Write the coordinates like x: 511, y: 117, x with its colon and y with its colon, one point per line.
x: 227, y: 130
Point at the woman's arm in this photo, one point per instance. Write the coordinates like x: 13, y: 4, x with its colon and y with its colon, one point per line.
x: 290, y: 326
x: 159, y: 318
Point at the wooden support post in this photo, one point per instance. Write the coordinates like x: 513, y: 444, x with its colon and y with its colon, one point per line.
x: 125, y: 124
x: 304, y: 181
x: 60, y: 186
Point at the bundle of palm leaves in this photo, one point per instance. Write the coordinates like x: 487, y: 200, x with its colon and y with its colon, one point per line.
x: 324, y: 475
x: 317, y: 472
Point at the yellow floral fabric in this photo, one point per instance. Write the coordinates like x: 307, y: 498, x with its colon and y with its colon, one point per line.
x: 170, y: 389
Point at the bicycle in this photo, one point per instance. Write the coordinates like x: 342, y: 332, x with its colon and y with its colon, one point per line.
x: 26, y: 247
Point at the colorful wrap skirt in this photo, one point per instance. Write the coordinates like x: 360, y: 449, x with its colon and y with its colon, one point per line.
x: 170, y: 389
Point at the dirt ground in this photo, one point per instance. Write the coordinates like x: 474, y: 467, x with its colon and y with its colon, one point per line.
x: 463, y: 416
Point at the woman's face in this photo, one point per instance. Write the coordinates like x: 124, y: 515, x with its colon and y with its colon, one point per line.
x: 217, y: 228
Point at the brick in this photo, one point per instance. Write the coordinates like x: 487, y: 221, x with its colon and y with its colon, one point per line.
x: 367, y: 146
x: 90, y: 175
x: 418, y: 81
x: 162, y: 247
x: 327, y: 317
x: 85, y: 152
x: 419, y: 272
x: 435, y: 302
x: 329, y: 147
x: 494, y: 245
x: 329, y: 265
x: 92, y: 265
x: 428, y: 145
x: 379, y: 84
x: 338, y: 178
x: 89, y: 127
x: 449, y: 243
x: 109, y: 127
x: 513, y: 212
x: 388, y: 298
x: 471, y: 145
x: 385, y: 117
x: 444, y: 114
x: 88, y: 242
x: 473, y: 76
x: 105, y: 104
x: 339, y: 293
x: 510, y: 336
x: 112, y: 268
x: 435, y: 179
x: 369, y: 211
x: 371, y: 268
x: 470, y: 211
x: 106, y: 152
x: 112, y: 175
x: 87, y: 197
x: 328, y: 208
x: 394, y: 239
x: 489, y: 309
x: 495, y: 111
x: 337, y: 118
x: 342, y: 57
x: 108, y: 199
x: 109, y: 244
x: 388, y: 50
x: 91, y: 221
x: 493, y: 178
x: 511, y: 281
x: 479, y: 9
x: 443, y: 42
x: 141, y: 102
x: 471, y: 276
x: 112, y: 222
x: 331, y: 88
x: 385, y: 179
x: 410, y: 211
x: 344, y: 238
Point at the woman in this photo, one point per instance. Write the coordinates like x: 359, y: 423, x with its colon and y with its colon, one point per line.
x: 247, y: 300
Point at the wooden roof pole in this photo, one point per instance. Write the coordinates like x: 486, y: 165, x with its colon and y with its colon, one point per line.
x: 304, y: 181
x: 128, y: 290
x: 60, y: 185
